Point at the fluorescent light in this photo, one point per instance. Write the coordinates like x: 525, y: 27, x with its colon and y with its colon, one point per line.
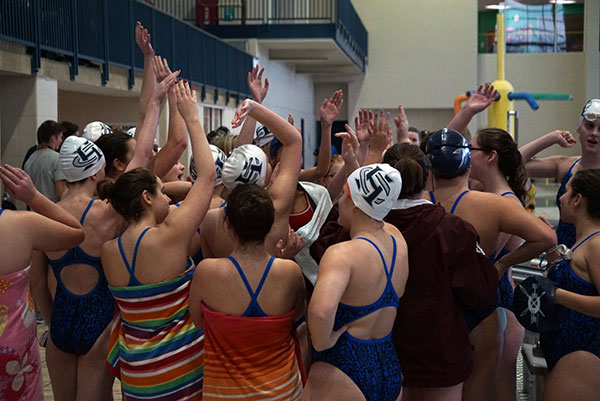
x: 563, y: 1
x: 497, y: 7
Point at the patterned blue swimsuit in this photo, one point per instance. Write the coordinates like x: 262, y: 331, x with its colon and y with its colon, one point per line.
x: 78, y: 320
x: 507, y: 293
x: 565, y: 232
x: 474, y: 317
x: 371, y: 364
x: 575, y: 331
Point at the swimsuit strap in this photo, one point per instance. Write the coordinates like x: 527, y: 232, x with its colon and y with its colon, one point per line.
x: 223, y: 205
x: 573, y: 165
x: 585, y: 239
x: 1, y: 210
x: 253, y: 295
x: 508, y: 193
x: 432, y: 197
x: 85, y: 212
x: 387, y: 274
x: 131, y: 269
x: 457, y: 201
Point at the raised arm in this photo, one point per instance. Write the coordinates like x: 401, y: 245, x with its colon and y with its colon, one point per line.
x: 142, y: 38
x: 145, y: 136
x: 547, y: 166
x: 186, y: 219
x: 334, y: 276
x: 177, y: 141
x: 330, y: 108
x: 379, y: 135
x: 401, y: 126
x: 259, y: 92
x: 350, y: 149
x: 478, y: 101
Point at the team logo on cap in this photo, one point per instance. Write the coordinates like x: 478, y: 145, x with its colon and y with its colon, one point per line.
x: 86, y: 156
x: 251, y: 171
x: 371, y: 183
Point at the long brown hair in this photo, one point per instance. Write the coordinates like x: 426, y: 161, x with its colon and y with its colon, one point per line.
x: 510, y: 162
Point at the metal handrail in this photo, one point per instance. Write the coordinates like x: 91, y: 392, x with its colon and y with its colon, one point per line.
x: 102, y: 31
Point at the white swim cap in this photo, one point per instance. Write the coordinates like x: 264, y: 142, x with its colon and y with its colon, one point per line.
x: 262, y: 136
x: 247, y: 164
x: 591, y: 111
x: 95, y: 130
x: 374, y: 189
x: 131, y: 132
x: 80, y: 158
x: 218, y: 158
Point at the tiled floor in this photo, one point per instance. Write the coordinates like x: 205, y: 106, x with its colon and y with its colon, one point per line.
x: 48, y: 395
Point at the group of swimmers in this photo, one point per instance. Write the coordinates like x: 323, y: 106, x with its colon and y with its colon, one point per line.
x: 385, y: 275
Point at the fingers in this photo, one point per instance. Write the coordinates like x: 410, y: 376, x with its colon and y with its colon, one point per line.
x: 260, y: 74
x: 266, y: 83
x: 291, y: 119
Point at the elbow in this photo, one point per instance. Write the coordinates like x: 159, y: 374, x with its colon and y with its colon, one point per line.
x: 318, y: 345
x: 549, y: 238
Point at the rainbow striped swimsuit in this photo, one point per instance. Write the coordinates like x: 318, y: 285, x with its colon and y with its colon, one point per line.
x: 155, y: 349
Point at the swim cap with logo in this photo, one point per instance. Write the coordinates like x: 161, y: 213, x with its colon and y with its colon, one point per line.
x: 80, y: 158
x: 374, y: 189
x: 247, y: 164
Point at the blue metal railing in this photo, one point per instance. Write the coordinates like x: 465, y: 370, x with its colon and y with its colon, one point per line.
x: 339, y: 13
x: 102, y: 31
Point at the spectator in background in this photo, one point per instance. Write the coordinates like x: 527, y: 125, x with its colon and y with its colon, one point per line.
x: 42, y: 166
x: 68, y: 129
x: 414, y: 134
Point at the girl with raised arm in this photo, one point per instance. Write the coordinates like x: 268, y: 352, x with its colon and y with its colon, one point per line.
x: 562, y: 168
x: 50, y: 229
x: 247, y: 304
x: 83, y: 306
x: 149, y: 275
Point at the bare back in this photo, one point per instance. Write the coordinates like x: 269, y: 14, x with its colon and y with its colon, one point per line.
x: 100, y: 224
x: 368, y: 277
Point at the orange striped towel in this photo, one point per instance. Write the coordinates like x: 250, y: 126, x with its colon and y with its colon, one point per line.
x: 251, y: 358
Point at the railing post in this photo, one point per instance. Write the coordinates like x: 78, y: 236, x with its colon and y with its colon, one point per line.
x: 131, y: 80
x: 74, y: 68
x: 105, y: 69
x: 36, y: 58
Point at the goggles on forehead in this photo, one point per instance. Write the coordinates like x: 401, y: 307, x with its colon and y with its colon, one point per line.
x: 591, y: 116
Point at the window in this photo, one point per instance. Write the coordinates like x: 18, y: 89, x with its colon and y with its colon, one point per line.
x: 212, y: 118
x: 532, y: 26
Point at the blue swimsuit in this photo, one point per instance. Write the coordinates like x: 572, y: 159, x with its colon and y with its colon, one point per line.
x: 507, y: 293
x: 575, y: 331
x: 565, y: 232
x: 474, y: 317
x: 371, y: 364
x: 78, y: 320
x: 254, y: 309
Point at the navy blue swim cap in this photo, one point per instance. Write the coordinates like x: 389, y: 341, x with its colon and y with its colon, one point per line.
x: 274, y: 147
x: 449, y: 153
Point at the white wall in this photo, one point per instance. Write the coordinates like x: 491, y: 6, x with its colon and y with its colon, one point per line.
x: 325, y: 90
x: 542, y: 72
x: 421, y: 54
x: 289, y: 93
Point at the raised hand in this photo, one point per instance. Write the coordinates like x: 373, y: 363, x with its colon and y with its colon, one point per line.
x: 564, y: 139
x: 330, y: 108
x: 17, y: 183
x: 242, y: 112
x: 257, y: 89
x: 482, y: 98
x: 350, y: 145
x: 401, y: 126
x: 187, y: 104
x: 380, y: 134
x: 163, y: 87
x: 361, y: 122
x: 161, y: 68
x: 142, y: 38
x: 291, y: 121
